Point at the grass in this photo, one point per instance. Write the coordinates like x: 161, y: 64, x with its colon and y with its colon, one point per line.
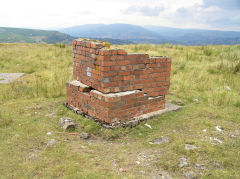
x: 197, y: 73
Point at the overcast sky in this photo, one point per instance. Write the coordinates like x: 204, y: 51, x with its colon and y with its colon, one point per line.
x: 50, y: 14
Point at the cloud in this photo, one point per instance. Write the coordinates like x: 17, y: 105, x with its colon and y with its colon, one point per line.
x: 211, y: 14
x: 144, y: 10
x: 223, y: 4
x: 219, y: 14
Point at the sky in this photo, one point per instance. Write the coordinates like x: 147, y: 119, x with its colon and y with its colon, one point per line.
x: 55, y: 14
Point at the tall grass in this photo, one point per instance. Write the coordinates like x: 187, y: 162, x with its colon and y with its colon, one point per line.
x: 47, y: 69
x: 200, y: 72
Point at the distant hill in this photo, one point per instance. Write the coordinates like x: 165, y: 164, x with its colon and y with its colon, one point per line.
x: 136, y: 34
x: 121, y: 34
x: 114, y: 41
x: 197, y: 36
x: 154, y: 34
x: 12, y: 35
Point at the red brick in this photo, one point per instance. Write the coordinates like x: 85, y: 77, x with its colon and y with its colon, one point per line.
x: 121, y: 52
x: 124, y: 72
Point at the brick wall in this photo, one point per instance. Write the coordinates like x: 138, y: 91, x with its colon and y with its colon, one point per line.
x: 113, y: 85
x: 114, y: 70
x: 112, y: 107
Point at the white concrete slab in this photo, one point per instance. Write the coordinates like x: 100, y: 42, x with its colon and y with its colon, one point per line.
x: 168, y: 108
x: 6, y: 78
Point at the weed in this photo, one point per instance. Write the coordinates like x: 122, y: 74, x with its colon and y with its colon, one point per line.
x: 207, y: 50
x: 237, y: 67
x: 237, y: 104
x: 60, y: 45
x: 5, y: 119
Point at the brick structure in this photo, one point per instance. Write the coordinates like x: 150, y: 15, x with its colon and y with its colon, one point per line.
x: 113, y: 85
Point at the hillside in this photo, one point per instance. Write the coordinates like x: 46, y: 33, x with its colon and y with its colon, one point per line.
x: 197, y: 36
x: 14, y: 35
x: 205, y: 81
x: 133, y: 33
x: 154, y: 34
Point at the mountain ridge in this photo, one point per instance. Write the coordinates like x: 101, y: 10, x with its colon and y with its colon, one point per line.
x: 155, y: 34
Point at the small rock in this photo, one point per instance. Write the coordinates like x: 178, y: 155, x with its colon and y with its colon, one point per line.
x: 137, y: 162
x: 196, y: 100
x: 38, y: 107
x: 216, y: 164
x: 190, y: 147
x: 147, y: 125
x: 51, y: 142
x: 122, y: 170
x: 49, y: 133
x: 215, y: 139
x: 160, y: 140
x: 183, y: 162
x: 67, y: 124
x: 179, y: 102
x: 190, y: 175
x: 218, y: 128
x: 228, y: 88
x: 200, y: 166
x: 237, y: 132
x: 204, y: 130
x: 84, y: 135
x: 233, y: 136
x: 134, y: 123
x: 32, y: 156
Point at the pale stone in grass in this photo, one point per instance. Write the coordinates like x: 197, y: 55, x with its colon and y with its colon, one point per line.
x: 51, y: 142
x: 137, y: 162
x: 84, y: 135
x: 196, y: 100
x: 218, y: 128
x: 183, y: 162
x: 67, y: 124
x: 228, y: 88
x: 49, y: 133
x: 149, y: 126
x: 237, y: 132
x: 160, y: 140
x: 122, y: 170
x: 6, y: 78
x: 38, y: 107
x: 216, y: 140
x: 190, y: 147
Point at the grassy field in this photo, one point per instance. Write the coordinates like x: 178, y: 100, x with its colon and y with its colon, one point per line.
x: 205, y: 80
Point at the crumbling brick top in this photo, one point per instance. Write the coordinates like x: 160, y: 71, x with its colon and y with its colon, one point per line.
x: 109, y: 70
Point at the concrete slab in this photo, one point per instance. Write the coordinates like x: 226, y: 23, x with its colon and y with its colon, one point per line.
x: 78, y: 83
x: 168, y: 108
x: 6, y: 78
x: 131, y: 122
x: 119, y: 94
